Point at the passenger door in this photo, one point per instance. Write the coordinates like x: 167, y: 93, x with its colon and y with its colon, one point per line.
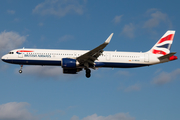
x: 20, y: 56
x: 146, y: 57
x: 108, y: 56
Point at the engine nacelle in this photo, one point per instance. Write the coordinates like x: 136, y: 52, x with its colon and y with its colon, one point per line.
x: 69, y: 63
x: 71, y: 70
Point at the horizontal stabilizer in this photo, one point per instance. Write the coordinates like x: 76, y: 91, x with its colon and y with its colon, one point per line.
x: 167, y: 56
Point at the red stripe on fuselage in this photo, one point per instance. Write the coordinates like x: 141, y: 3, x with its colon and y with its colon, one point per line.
x: 24, y: 51
x: 167, y: 38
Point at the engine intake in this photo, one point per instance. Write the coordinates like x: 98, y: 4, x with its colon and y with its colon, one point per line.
x: 69, y: 63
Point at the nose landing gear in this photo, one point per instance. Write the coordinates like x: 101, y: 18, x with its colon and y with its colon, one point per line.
x: 20, y: 71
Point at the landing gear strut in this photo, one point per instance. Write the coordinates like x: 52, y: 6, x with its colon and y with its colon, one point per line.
x: 20, y: 71
x: 88, y: 73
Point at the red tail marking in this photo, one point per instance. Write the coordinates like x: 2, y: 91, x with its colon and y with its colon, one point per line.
x: 158, y: 52
x: 173, y: 58
x: 167, y: 38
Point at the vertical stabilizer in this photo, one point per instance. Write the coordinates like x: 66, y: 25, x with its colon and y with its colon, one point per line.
x: 163, y: 46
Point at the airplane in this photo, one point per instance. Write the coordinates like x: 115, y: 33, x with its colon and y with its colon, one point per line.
x: 74, y: 61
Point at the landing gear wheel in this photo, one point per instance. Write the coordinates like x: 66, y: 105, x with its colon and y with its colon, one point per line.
x: 20, y: 71
x: 88, y: 73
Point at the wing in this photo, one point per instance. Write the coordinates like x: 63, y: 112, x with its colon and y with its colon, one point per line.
x: 89, y: 57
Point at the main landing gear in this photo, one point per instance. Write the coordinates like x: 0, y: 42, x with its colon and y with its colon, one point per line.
x: 88, y: 72
x: 20, y: 71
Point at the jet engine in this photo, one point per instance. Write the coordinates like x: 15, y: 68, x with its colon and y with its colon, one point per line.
x: 70, y: 65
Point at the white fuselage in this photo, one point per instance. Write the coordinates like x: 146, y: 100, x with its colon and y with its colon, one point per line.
x: 53, y: 57
x: 73, y: 61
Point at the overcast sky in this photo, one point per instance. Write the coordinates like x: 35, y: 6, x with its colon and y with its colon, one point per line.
x: 44, y: 93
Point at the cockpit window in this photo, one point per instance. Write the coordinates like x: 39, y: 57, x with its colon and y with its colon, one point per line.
x: 11, y: 53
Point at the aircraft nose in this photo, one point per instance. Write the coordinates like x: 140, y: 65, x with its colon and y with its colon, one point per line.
x: 3, y: 58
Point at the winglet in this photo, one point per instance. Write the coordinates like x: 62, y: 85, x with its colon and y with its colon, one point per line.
x: 109, y: 38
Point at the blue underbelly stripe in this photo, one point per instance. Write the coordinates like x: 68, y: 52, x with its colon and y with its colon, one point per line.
x: 34, y: 62
x: 58, y: 63
x: 119, y: 65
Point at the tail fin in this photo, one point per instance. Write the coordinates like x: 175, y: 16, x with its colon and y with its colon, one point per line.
x: 163, y: 46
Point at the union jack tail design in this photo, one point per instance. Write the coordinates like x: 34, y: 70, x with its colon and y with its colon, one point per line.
x: 163, y: 46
